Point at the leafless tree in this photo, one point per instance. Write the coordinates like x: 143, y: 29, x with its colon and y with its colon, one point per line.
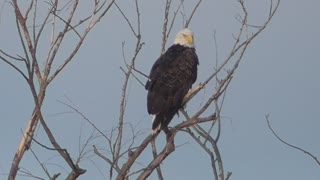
x: 198, y: 126
x: 31, y: 30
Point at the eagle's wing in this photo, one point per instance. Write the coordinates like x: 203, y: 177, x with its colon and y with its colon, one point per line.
x: 171, y: 77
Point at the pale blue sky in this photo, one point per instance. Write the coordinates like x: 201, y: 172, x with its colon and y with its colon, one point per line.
x: 278, y: 76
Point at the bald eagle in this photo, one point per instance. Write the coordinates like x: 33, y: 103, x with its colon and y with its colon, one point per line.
x: 170, y: 79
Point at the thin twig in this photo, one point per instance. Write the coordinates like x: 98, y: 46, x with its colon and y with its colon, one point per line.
x: 69, y: 25
x: 113, y: 165
x: 202, y: 145
x: 41, y: 164
x: 290, y: 145
x: 174, y: 17
x: 87, y: 119
x: 12, y: 57
x: 44, y: 146
x: 126, y: 19
x: 194, y: 10
x: 14, y: 67
x: 165, y: 25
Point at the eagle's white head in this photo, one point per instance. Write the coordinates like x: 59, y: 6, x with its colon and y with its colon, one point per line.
x: 185, y: 38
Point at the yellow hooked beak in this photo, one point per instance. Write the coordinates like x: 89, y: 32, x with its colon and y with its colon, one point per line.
x: 189, y: 39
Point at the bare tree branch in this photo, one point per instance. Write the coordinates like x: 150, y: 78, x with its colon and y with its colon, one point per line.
x: 174, y: 18
x: 165, y: 25
x: 213, y: 165
x: 168, y: 149
x: 126, y: 166
x: 29, y: 46
x: 194, y: 10
x: 113, y: 165
x: 14, y: 67
x: 88, y: 120
x: 127, y: 20
x: 41, y: 164
x: 290, y: 145
x: 155, y: 154
x: 236, y: 48
x: 76, y: 49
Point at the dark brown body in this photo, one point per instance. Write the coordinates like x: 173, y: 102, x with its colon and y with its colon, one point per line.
x: 171, y: 77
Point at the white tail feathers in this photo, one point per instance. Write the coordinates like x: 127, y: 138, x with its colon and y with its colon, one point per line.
x: 158, y: 128
x: 153, y: 117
